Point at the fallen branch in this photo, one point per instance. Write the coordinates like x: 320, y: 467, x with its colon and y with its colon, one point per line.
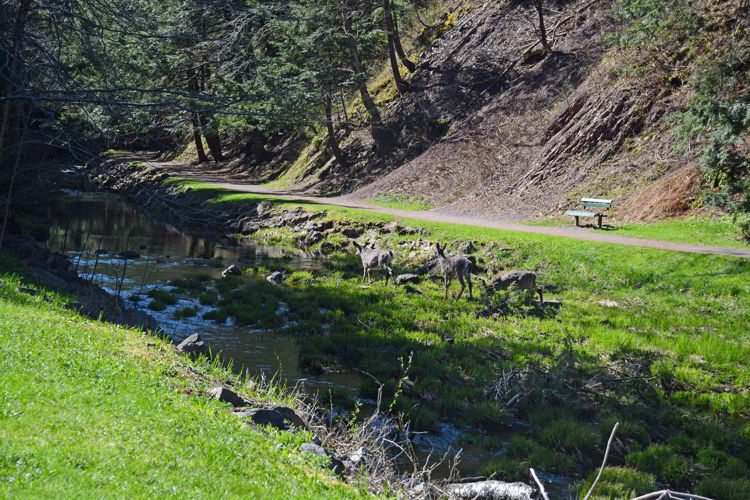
x: 539, y: 483
x: 604, y: 462
x: 674, y: 495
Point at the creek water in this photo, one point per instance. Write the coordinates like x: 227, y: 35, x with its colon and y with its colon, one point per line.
x: 93, y: 228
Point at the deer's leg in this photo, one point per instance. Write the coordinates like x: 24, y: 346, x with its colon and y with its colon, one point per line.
x: 447, y: 284
x: 388, y: 272
x: 364, y: 273
x: 541, y: 297
x: 468, y: 279
x: 463, y: 285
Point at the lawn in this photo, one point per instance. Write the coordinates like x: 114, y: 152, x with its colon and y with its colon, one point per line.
x: 93, y: 410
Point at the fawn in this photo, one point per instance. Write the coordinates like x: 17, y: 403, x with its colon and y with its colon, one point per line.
x: 373, y: 258
x: 454, y: 265
x: 525, y: 280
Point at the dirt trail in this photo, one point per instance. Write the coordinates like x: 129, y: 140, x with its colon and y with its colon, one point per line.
x: 220, y: 180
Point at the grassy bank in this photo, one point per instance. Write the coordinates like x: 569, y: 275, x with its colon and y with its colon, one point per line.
x: 656, y: 340
x: 92, y: 410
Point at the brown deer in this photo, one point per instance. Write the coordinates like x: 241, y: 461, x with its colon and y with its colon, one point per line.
x: 524, y: 280
x: 374, y: 258
x: 454, y: 266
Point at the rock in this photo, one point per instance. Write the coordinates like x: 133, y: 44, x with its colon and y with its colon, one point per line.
x: 82, y: 310
x: 313, y: 449
x: 193, y: 345
x: 327, y: 247
x: 318, y: 226
x: 412, y: 291
x: 275, y: 277
x: 227, y: 396
x: 403, y: 279
x: 28, y: 291
x: 50, y: 279
x: 231, y: 271
x: 351, y: 232
x: 129, y: 254
x: 264, y: 208
x: 467, y: 247
x: 139, y: 319
x: 58, y: 261
x: 280, y: 417
x: 427, y: 267
x: 490, y: 490
x: 314, y: 237
x: 392, y: 227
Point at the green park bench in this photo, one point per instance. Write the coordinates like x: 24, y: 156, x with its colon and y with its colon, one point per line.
x: 596, y: 203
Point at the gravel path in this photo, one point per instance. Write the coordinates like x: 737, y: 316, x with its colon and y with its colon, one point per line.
x: 580, y: 233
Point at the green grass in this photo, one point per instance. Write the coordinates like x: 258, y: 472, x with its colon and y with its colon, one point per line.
x: 654, y: 339
x: 722, y: 232
x: 92, y: 410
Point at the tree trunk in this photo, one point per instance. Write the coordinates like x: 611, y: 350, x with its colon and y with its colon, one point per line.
x: 210, y: 131
x: 256, y: 146
x: 12, y: 76
x: 391, y: 51
x: 333, y: 142
x: 382, y: 136
x: 400, y: 86
x: 542, y: 29
x: 213, y: 140
x: 194, y: 86
x: 202, y: 158
x: 392, y: 20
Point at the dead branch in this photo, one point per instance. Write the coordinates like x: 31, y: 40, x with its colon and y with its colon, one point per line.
x: 604, y: 462
x: 539, y: 483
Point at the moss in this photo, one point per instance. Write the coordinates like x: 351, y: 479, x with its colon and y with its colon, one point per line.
x: 185, y: 312
x: 164, y: 296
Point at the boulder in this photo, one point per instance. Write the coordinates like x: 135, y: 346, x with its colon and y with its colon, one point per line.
x: 351, y: 232
x: 327, y: 247
x: 467, y: 247
x: 28, y: 291
x: 313, y: 449
x: 129, y: 254
x: 193, y: 345
x: 314, y: 237
x: 279, y: 417
x: 141, y: 320
x: 264, y: 208
x: 275, y: 277
x: 227, y: 396
x: 410, y: 290
x: 403, y: 279
x: 58, y: 261
x: 50, y: 279
x: 231, y: 271
x: 490, y: 490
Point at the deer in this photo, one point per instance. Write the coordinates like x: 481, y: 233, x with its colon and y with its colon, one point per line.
x: 525, y: 280
x: 454, y: 266
x: 373, y: 258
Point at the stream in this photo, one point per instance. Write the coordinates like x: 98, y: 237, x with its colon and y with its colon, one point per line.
x: 92, y: 228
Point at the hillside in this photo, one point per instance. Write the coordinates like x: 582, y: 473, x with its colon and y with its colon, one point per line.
x: 494, y: 126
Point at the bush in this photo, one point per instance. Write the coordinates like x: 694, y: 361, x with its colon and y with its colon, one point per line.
x: 723, y: 489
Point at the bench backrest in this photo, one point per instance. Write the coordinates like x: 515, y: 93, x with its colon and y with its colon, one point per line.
x: 595, y: 202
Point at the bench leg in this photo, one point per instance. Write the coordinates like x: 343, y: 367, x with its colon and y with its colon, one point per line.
x: 576, y: 220
x: 600, y: 221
